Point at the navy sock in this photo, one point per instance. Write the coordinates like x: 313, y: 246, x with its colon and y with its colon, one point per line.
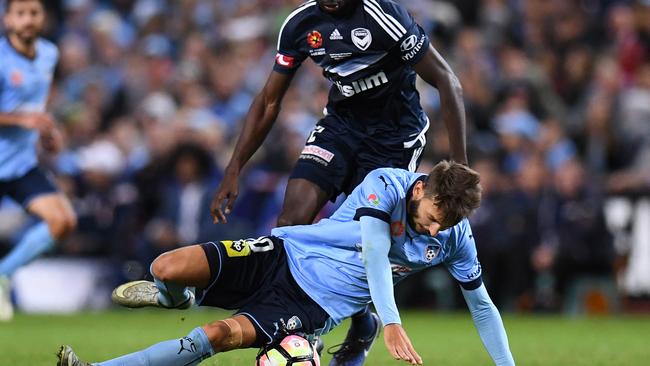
x: 363, y: 325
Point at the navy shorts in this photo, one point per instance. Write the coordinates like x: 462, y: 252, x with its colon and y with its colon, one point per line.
x: 22, y: 190
x: 338, y: 158
x: 252, y: 276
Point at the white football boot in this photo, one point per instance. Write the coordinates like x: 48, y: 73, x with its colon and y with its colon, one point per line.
x: 138, y: 294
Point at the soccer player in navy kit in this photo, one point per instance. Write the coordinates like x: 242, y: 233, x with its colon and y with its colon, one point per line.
x: 371, y: 51
x: 27, y: 64
x: 309, y: 278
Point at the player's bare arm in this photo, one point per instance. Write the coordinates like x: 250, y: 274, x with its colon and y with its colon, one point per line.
x: 36, y: 120
x: 257, y: 124
x: 433, y: 69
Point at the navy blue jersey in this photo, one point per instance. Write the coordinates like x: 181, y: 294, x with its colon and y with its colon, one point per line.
x: 368, y: 56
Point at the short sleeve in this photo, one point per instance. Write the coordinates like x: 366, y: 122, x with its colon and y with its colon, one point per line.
x: 402, y: 30
x: 288, y: 57
x: 377, y: 196
x: 463, y: 262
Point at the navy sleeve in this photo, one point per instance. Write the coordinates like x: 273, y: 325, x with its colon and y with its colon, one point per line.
x: 289, y: 57
x: 400, y: 27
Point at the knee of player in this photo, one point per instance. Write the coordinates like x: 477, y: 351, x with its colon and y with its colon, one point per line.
x: 291, y: 218
x: 61, y: 225
x: 163, y: 267
x: 224, y: 335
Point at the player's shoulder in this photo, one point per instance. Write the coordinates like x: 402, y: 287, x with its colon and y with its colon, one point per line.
x: 298, y: 15
x: 389, y: 16
x: 47, y: 48
x: 381, y: 9
x: 461, y: 234
x: 4, y: 44
x: 397, y: 179
x: 386, y: 5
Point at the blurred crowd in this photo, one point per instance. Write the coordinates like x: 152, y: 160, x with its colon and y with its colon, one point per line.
x: 150, y: 95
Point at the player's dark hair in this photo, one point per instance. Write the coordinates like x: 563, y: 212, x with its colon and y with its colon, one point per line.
x: 456, y: 190
x: 9, y: 2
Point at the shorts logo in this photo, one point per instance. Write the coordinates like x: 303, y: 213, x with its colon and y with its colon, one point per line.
x: 396, y: 228
x: 282, y: 60
x: 294, y: 323
x: 237, y: 248
x: 431, y: 253
x: 315, y: 39
x: 318, y: 152
x: 362, y: 38
x: 372, y: 198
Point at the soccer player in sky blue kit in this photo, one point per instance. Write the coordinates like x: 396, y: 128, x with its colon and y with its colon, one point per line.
x: 309, y: 278
x: 27, y: 64
x: 371, y: 51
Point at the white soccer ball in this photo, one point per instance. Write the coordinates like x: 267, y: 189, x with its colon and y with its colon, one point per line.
x: 292, y: 351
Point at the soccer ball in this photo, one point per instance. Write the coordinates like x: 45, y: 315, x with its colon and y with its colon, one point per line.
x: 292, y: 351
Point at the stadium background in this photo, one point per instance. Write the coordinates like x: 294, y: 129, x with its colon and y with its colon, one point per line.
x: 150, y: 95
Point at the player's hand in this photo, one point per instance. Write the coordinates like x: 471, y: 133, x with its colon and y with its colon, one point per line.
x: 227, y: 191
x: 399, y: 345
x: 52, y: 140
x: 37, y: 121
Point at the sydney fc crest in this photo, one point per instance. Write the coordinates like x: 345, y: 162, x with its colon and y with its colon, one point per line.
x: 431, y: 252
x: 361, y: 38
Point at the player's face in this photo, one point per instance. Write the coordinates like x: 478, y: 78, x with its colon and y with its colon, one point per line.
x: 25, y: 19
x: 423, y: 214
x: 335, y: 6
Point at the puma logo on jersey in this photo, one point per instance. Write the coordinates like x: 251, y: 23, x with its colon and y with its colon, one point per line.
x: 362, y: 84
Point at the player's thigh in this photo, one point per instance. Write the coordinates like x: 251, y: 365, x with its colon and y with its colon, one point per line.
x: 303, y: 199
x: 238, y: 270
x: 188, y: 265
x: 283, y: 307
x: 36, y: 191
x: 52, y: 207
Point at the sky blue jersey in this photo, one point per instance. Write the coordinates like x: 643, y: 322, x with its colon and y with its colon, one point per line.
x: 325, y: 258
x: 24, y: 87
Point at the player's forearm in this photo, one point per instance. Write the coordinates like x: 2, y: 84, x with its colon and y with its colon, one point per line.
x: 375, y: 243
x: 489, y: 325
x: 453, y: 114
x: 10, y: 119
x: 257, y: 125
x: 433, y: 69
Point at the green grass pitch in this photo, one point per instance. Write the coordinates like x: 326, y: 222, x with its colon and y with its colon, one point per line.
x: 440, y: 338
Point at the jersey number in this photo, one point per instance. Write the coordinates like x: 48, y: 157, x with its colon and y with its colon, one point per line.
x: 312, y: 135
